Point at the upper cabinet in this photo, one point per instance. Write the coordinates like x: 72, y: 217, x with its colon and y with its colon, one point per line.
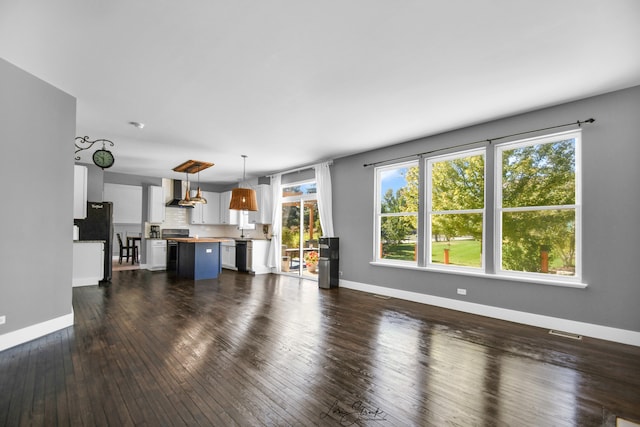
x: 261, y: 216
x: 211, y: 214
x: 79, y: 192
x: 265, y: 207
x: 208, y: 213
x: 227, y: 216
x: 156, y: 204
x: 127, y: 202
x: 196, y: 214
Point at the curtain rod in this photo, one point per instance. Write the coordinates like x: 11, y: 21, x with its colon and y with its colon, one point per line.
x: 301, y: 168
x: 490, y: 140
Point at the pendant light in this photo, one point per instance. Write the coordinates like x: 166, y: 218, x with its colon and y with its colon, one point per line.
x: 243, y: 199
x: 199, y: 198
x: 186, y: 200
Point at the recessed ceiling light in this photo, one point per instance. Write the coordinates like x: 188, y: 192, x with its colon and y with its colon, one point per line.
x: 137, y: 124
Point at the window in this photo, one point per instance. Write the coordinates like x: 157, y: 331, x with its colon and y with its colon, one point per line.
x: 535, y: 218
x: 455, y: 210
x: 397, y: 213
x: 243, y: 221
x: 538, y: 206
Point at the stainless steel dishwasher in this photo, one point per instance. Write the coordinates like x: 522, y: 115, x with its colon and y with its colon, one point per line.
x: 244, y: 257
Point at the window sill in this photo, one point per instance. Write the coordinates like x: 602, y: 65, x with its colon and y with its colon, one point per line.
x: 511, y: 278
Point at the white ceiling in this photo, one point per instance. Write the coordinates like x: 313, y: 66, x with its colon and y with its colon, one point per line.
x: 294, y: 82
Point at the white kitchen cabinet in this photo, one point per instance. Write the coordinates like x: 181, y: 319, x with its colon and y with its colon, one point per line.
x: 259, y: 255
x: 156, y: 204
x: 127, y: 202
x: 208, y: 213
x: 196, y: 215
x: 88, y: 263
x: 227, y: 216
x: 79, y: 192
x: 265, y: 208
x: 156, y: 254
x: 211, y: 213
x: 228, y: 255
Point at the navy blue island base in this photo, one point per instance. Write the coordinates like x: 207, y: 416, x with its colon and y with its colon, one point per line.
x: 199, y: 258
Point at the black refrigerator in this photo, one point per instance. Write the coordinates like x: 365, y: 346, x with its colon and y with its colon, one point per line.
x: 98, y: 225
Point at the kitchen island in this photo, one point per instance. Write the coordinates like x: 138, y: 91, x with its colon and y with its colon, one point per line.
x: 199, y: 258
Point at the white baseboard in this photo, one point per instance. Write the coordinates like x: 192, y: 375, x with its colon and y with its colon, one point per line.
x: 85, y: 281
x: 547, y: 322
x: 21, y: 336
x: 150, y: 268
x: 262, y: 270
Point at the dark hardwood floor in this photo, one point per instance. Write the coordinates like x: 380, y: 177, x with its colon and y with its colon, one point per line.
x: 155, y: 350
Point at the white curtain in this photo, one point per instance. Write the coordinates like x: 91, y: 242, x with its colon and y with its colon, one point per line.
x: 323, y: 186
x: 275, y: 250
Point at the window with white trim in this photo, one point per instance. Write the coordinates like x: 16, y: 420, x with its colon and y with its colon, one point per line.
x: 538, y: 207
x: 536, y: 210
x: 455, y: 211
x: 397, y: 213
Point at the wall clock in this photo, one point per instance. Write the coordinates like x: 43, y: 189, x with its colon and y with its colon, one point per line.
x: 103, y: 158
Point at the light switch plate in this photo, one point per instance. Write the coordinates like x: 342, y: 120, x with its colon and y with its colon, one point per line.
x: 3, y: 320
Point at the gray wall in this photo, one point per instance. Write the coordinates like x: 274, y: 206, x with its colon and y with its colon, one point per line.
x: 37, y: 129
x: 95, y: 182
x: 611, y: 200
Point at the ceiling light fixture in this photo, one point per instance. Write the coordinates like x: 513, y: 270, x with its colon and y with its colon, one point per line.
x: 192, y: 166
x: 186, y: 201
x: 243, y: 199
x: 199, y: 198
x: 137, y: 124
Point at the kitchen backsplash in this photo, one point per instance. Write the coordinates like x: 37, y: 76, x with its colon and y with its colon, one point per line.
x: 176, y: 218
x: 179, y: 218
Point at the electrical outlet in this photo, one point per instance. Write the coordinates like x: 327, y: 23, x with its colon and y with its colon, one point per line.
x: 3, y: 320
x: 340, y: 273
x: 462, y: 291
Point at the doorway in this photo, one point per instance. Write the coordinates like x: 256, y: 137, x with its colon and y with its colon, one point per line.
x: 301, y: 229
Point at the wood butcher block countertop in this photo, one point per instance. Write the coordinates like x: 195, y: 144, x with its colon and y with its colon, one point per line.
x: 199, y: 239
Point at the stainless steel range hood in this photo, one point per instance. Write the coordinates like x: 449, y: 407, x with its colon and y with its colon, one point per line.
x: 177, y: 196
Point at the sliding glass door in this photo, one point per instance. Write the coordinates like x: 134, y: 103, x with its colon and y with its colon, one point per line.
x: 300, y: 229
